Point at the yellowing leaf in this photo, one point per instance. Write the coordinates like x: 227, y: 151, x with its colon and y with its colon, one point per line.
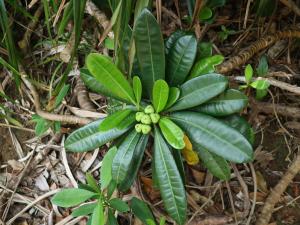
x: 188, y: 153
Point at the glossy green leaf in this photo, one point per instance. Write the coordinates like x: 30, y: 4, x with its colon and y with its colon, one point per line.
x: 137, y: 88
x: 105, y: 171
x: 214, y: 135
x: 109, y: 76
x: 59, y: 98
x: 260, y: 84
x: 229, y: 102
x: 149, y: 49
x: 206, y: 65
x: 169, y: 43
x: 141, y: 210
x: 135, y: 164
x: 248, y: 73
x: 199, y: 90
x: 260, y: 94
x: 89, y: 137
x: 119, y: 205
x: 180, y: 59
x: 92, y: 182
x: 179, y: 163
x: 124, y: 156
x: 174, y: 94
x: 91, y: 82
x: 160, y: 95
x: 84, y: 210
x: 111, y: 218
x: 172, y: 133
x: 71, y: 197
x: 169, y: 180
x: 217, y: 165
x: 113, y: 120
x: 240, y: 124
x: 205, y: 13
x: 98, y: 217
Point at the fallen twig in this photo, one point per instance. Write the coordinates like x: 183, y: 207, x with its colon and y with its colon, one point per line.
x: 247, y: 53
x: 275, y: 194
x: 292, y: 5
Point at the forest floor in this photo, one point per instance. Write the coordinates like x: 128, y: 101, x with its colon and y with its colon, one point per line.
x: 34, y: 167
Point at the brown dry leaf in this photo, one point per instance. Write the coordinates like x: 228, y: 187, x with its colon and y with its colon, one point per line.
x: 15, y: 165
x: 198, y: 176
x: 188, y: 153
x: 260, y: 196
x: 148, y: 187
x: 261, y: 182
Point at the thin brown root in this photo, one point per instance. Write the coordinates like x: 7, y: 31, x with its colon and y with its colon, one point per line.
x: 275, y: 194
x: 246, y: 54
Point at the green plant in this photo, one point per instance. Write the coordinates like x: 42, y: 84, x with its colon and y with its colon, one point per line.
x: 164, y: 101
x: 260, y: 85
x: 100, y: 209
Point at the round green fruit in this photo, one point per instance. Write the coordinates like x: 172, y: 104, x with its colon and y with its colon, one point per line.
x: 146, y: 119
x: 146, y: 129
x: 149, y: 109
x: 138, y: 116
x: 138, y: 127
x: 154, y: 117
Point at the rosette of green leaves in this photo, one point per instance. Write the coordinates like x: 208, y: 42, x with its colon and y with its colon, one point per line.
x: 193, y: 105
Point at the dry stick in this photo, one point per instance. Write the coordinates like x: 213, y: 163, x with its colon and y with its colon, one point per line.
x: 46, y: 195
x: 50, y: 116
x: 247, y: 53
x: 282, y: 110
x: 23, y: 44
x: 282, y: 85
x: 292, y: 5
x: 275, y: 194
x: 254, y: 194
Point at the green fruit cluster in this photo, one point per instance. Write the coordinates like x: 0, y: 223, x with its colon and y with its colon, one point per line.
x: 146, y: 118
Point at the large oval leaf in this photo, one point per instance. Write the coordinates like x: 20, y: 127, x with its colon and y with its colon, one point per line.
x: 137, y: 88
x: 160, y: 95
x: 217, y: 165
x: 105, y: 170
x: 98, y: 217
x: 95, y: 86
x: 114, y: 120
x: 135, y: 163
x: 124, y: 156
x: 89, y: 137
x: 169, y: 180
x: 149, y: 49
x: 174, y: 94
x: 229, y: 102
x: 169, y: 43
x: 172, y: 133
x: 199, y: 90
x: 180, y: 59
x: 206, y: 65
x: 240, y: 124
x: 141, y: 210
x: 109, y: 76
x: 71, y: 197
x: 215, y: 136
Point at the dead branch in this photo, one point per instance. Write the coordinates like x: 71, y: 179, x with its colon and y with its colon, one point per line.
x: 282, y: 110
x: 292, y: 5
x: 276, y: 83
x: 275, y: 194
x: 50, y: 116
x: 246, y: 54
x: 24, y: 43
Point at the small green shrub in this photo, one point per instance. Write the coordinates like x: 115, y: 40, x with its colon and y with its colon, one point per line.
x: 164, y: 101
